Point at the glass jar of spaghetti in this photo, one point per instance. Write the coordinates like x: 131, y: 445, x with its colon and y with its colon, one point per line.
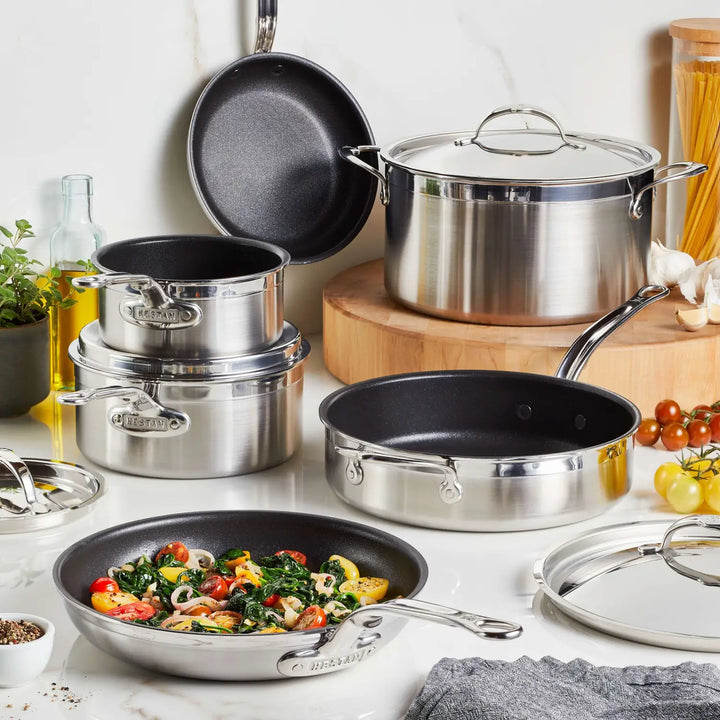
x: 693, y: 212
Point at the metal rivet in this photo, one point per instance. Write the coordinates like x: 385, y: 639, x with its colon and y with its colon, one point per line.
x: 278, y: 70
x: 185, y: 315
x: 117, y: 419
x: 524, y: 412
x: 174, y: 424
x: 580, y: 422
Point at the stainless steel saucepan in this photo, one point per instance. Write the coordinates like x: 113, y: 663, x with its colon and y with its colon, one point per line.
x: 189, y: 296
x: 255, y: 656
x: 485, y: 450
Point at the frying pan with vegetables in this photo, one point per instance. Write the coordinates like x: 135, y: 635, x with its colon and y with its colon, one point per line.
x: 257, y: 656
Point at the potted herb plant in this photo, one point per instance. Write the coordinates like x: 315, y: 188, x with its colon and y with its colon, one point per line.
x: 26, y: 299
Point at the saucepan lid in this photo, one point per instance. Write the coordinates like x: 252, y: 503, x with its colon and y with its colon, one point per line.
x: 36, y: 494
x: 651, y: 582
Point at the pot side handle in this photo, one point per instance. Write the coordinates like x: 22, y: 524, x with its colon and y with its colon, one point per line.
x: 580, y: 351
x: 686, y: 170
x: 350, y: 642
x: 350, y: 153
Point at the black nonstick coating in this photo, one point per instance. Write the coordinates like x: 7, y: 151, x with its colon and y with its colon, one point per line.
x: 479, y: 414
x: 263, y: 154
x: 376, y: 553
x: 189, y: 257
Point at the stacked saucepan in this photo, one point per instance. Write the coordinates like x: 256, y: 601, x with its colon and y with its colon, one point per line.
x: 191, y: 369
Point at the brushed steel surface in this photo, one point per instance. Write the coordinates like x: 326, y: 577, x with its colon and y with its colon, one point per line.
x: 513, y: 262
x: 499, y: 494
x: 236, y: 426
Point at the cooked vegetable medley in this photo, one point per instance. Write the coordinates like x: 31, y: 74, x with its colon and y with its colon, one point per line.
x: 192, y: 591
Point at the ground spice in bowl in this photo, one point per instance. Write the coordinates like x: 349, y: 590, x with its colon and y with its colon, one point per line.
x: 14, y: 632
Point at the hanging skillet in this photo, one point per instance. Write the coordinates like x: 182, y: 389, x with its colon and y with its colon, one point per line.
x: 263, y: 151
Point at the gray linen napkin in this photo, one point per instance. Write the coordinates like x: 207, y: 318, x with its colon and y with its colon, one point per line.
x: 548, y: 689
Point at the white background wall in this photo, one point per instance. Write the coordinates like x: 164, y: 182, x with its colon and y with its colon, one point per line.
x: 108, y: 88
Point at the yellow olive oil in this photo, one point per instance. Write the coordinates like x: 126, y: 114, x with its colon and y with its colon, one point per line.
x: 65, y: 326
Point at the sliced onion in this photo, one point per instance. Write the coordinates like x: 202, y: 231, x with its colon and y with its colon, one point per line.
x: 192, y: 601
x: 200, y: 559
x: 174, y: 619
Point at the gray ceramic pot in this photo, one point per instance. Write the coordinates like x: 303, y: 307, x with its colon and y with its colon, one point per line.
x: 24, y: 367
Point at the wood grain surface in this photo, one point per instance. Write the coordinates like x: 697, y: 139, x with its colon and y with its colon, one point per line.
x: 366, y: 335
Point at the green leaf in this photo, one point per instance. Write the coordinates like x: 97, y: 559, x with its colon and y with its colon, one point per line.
x: 5, y: 232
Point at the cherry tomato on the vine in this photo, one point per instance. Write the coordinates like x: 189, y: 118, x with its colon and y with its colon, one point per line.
x: 674, y: 436
x: 668, y: 411
x: 714, y: 424
x: 648, y: 432
x: 699, y: 433
x: 702, y: 412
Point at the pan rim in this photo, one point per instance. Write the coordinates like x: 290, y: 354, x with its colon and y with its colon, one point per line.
x: 491, y: 460
x: 134, y: 629
x: 225, y: 227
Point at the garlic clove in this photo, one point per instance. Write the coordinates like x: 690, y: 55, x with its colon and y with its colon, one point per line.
x: 713, y: 311
x: 692, y: 319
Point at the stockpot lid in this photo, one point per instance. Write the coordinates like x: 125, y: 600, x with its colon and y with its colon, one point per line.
x: 654, y: 582
x: 36, y: 494
x: 537, y: 156
x: 90, y: 352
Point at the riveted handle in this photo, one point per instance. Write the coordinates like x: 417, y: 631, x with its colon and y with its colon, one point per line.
x: 685, y: 170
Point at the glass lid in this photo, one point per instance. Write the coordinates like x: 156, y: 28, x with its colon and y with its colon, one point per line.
x: 90, y: 351
x: 652, y: 582
x: 36, y: 494
x: 533, y: 155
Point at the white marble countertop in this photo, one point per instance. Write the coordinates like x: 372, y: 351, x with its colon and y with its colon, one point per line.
x: 489, y: 573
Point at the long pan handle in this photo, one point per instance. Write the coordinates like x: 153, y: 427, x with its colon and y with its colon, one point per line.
x: 266, y: 24
x: 580, y: 351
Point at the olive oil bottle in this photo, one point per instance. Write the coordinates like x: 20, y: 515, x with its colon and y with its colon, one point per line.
x: 72, y: 245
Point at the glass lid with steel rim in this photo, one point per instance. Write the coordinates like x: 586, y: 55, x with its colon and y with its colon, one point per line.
x: 91, y: 352
x: 533, y: 155
x: 652, y: 582
x: 36, y: 494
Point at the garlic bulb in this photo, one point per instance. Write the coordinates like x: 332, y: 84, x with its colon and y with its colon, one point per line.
x: 666, y: 266
x: 694, y: 281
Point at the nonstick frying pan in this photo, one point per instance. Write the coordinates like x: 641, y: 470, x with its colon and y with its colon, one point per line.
x: 485, y: 450
x: 257, y: 657
x: 263, y: 151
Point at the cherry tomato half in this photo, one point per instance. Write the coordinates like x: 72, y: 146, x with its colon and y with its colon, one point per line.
x: 667, y: 411
x: 271, y: 600
x: 213, y: 586
x: 104, y: 584
x: 312, y: 617
x: 295, y: 555
x: 177, y: 549
x: 674, y: 436
x: 197, y: 610
x: 648, y: 432
x: 133, y: 611
x: 699, y: 433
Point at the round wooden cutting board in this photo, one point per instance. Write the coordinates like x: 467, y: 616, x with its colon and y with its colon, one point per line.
x: 366, y: 335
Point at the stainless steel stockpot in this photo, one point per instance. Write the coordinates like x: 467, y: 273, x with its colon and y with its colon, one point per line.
x: 189, y: 296
x: 184, y: 419
x: 520, y: 226
x: 485, y: 450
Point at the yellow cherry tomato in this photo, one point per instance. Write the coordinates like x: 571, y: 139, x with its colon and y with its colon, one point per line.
x: 350, y: 568
x: 371, y: 587
x: 684, y: 493
x: 104, y: 601
x: 271, y: 630
x: 664, y: 475
x: 712, y: 493
x: 172, y: 573
x: 186, y: 625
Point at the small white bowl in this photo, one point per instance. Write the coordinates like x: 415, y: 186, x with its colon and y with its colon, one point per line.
x: 21, y: 663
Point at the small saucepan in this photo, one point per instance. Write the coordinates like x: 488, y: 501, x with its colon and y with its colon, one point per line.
x: 191, y: 296
x: 257, y: 656
x: 482, y: 449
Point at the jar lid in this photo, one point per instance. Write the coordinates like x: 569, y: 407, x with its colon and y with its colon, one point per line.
x: 703, y: 30
x: 91, y: 352
x: 57, y: 492
x: 638, y: 580
x: 537, y: 156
